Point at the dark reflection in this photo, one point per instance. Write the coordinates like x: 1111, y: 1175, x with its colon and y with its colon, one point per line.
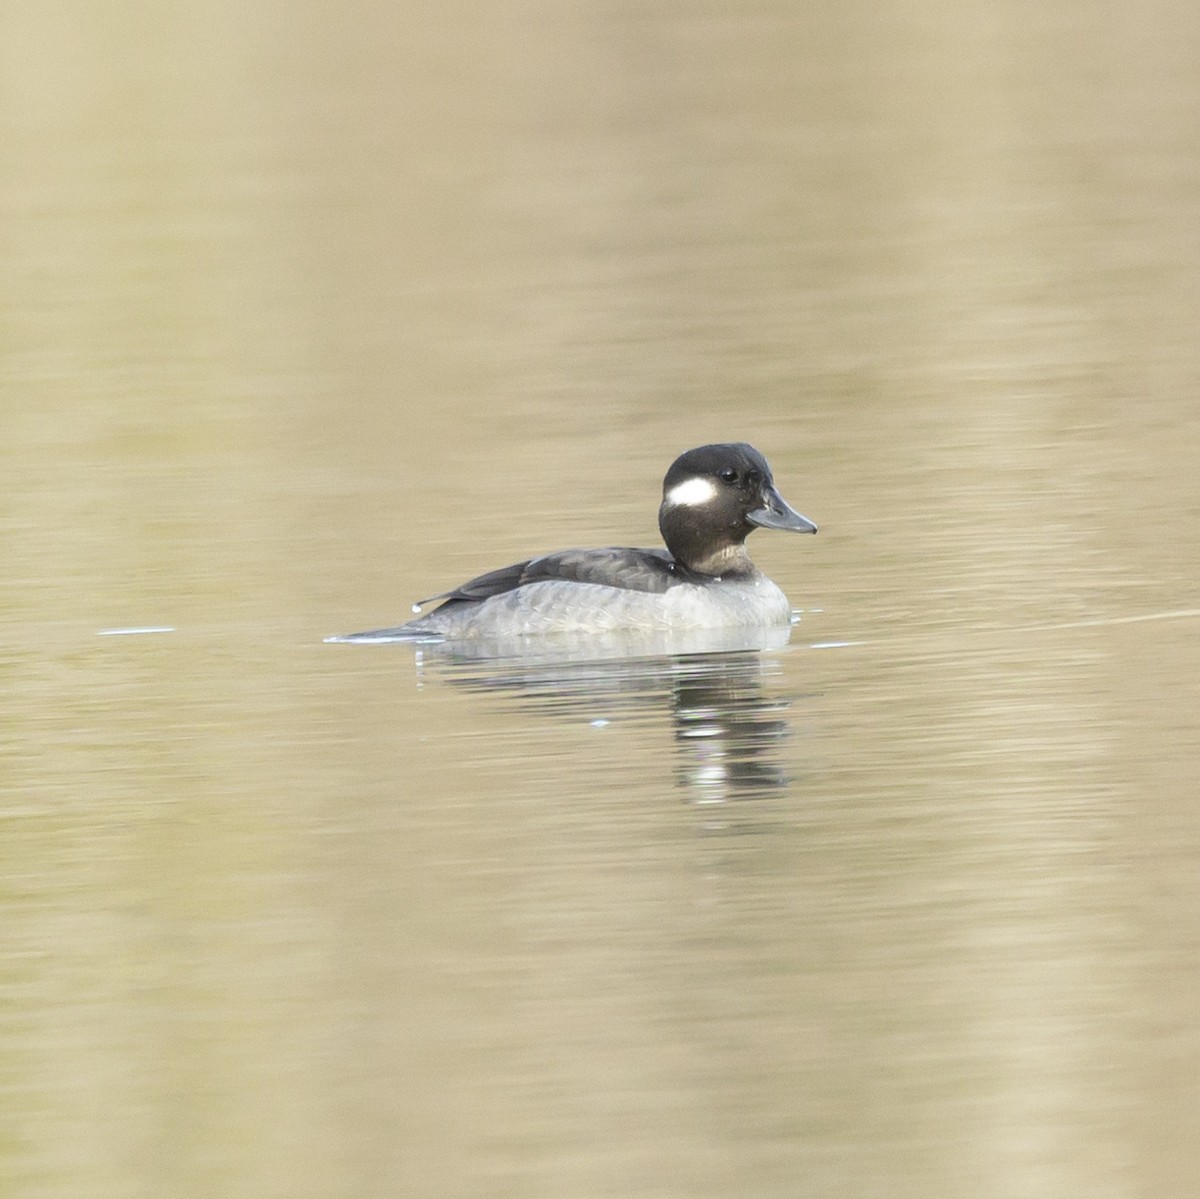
x: 728, y: 734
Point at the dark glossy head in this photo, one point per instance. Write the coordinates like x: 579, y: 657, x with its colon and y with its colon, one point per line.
x: 714, y: 497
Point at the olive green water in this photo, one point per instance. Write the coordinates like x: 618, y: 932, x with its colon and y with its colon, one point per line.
x: 310, y: 310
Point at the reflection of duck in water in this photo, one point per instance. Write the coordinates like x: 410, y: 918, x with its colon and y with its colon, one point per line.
x: 729, y: 726
x: 729, y: 733
x: 714, y: 497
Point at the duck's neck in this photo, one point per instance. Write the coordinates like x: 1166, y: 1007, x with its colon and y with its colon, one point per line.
x: 727, y: 560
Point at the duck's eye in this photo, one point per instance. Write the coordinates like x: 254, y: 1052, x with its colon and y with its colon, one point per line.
x: 728, y: 475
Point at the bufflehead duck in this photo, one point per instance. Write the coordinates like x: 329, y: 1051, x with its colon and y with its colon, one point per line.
x: 714, y: 497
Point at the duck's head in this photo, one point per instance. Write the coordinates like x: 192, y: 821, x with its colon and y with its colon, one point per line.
x: 714, y: 497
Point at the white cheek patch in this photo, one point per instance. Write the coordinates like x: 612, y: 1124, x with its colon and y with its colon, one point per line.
x: 692, y: 492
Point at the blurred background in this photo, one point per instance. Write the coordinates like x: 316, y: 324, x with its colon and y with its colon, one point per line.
x: 309, y: 310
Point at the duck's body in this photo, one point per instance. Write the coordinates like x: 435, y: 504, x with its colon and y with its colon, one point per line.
x: 713, y: 498
x: 565, y: 604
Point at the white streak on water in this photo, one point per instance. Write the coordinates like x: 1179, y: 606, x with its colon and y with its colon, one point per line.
x: 166, y: 628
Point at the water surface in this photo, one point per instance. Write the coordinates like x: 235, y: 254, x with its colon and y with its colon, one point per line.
x: 311, y: 312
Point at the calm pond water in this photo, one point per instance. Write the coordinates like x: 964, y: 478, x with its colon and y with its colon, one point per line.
x: 312, y: 310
